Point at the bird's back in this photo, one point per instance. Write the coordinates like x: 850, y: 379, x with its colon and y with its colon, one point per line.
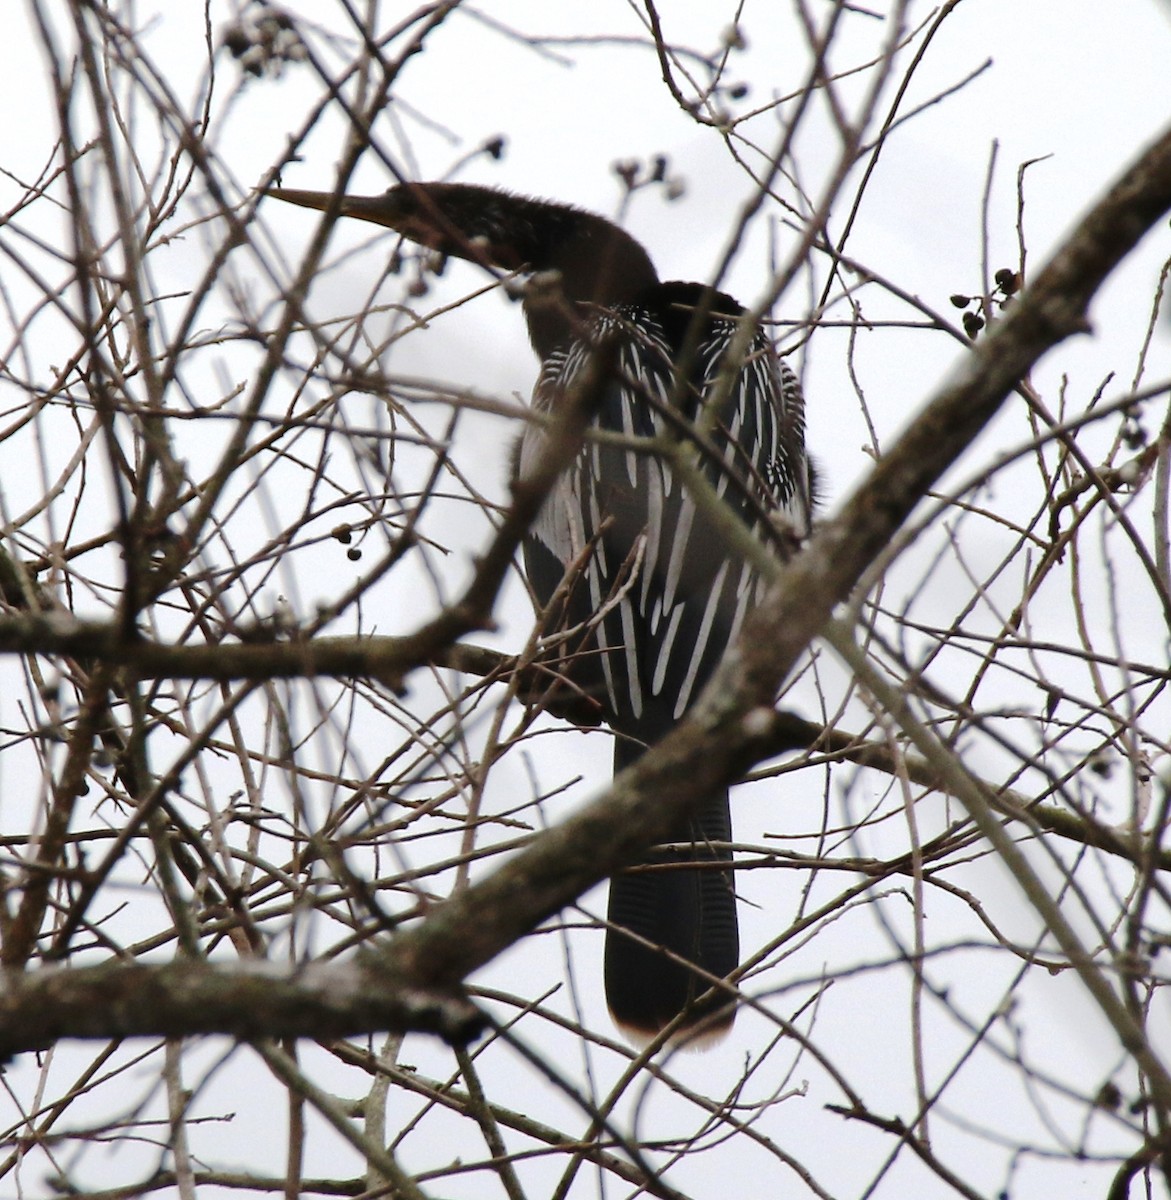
x: 670, y: 589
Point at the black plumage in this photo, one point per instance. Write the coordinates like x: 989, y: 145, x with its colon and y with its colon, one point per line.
x: 661, y: 592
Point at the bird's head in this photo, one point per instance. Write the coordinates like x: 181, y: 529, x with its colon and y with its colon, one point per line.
x: 474, y: 223
x: 594, y: 261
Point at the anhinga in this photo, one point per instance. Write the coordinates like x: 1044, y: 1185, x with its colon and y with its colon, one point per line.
x: 671, y: 592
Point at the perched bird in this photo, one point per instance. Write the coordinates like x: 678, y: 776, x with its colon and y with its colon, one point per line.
x: 661, y: 592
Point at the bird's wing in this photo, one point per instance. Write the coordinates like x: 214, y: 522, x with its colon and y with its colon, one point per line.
x: 670, y: 591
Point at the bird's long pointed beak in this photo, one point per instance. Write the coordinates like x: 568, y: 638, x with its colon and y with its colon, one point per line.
x: 366, y: 208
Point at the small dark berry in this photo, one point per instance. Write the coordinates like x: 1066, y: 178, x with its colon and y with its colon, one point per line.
x: 1101, y: 763
x: 237, y: 41
x: 1008, y: 281
x: 628, y: 171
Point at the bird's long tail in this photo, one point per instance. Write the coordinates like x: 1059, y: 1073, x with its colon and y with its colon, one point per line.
x: 658, y: 917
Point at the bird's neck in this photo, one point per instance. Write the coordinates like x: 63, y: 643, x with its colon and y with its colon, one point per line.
x: 588, y: 262
x: 578, y: 258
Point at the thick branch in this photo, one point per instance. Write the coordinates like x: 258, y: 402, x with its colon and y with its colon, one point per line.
x: 246, y: 1000
x: 388, y: 659
x: 391, y: 658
